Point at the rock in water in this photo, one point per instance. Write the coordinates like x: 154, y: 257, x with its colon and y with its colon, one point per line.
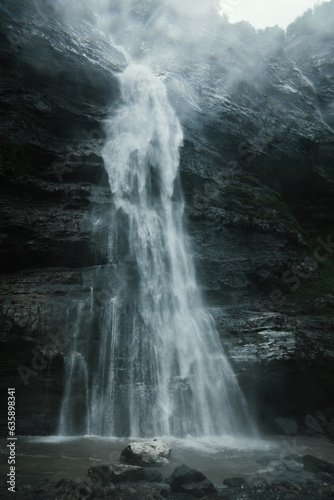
x: 313, y: 425
x: 191, y: 481
x: 153, y: 476
x: 146, y: 453
x: 316, y: 465
x: 104, y: 474
x: 65, y: 484
x: 235, y: 482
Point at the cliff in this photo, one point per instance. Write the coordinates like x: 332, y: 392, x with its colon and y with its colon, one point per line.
x: 257, y: 172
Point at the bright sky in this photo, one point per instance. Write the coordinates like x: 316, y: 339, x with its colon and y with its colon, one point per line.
x: 264, y: 13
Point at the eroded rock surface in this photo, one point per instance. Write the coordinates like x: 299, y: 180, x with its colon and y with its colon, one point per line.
x: 257, y: 171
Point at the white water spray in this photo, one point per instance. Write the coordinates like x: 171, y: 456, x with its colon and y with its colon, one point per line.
x: 161, y: 369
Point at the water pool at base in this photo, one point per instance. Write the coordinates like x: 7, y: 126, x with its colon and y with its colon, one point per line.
x: 55, y: 457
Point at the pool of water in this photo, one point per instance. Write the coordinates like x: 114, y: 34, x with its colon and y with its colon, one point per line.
x: 55, y: 457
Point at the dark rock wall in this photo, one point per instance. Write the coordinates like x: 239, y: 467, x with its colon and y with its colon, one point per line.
x: 257, y: 171
x: 54, y: 192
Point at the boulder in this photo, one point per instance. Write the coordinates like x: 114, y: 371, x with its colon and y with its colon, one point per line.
x: 288, y: 425
x: 293, y: 465
x: 286, y: 486
x: 146, y: 453
x: 153, y: 476
x: 321, y: 418
x: 105, y: 474
x: 316, y: 465
x: 65, y: 484
x: 191, y: 481
x: 235, y: 482
x: 313, y: 425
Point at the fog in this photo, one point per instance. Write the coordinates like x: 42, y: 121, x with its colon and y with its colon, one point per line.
x: 190, y: 44
x: 262, y: 14
x: 170, y: 34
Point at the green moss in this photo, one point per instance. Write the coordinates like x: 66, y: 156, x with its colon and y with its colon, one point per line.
x: 249, y: 213
x: 323, y: 286
x: 240, y: 193
x: 248, y: 179
x: 261, y: 204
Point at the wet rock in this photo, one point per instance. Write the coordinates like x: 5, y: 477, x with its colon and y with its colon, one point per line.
x: 146, y: 453
x: 315, y: 465
x: 288, y: 425
x: 41, y: 490
x: 214, y: 497
x: 272, y: 464
x: 65, y: 484
x: 258, y: 484
x: 286, y: 486
x: 313, y: 425
x: 330, y: 430
x: 326, y: 478
x: 235, y: 482
x: 251, y: 144
x: 109, y: 490
x: 293, y: 465
x: 187, y: 480
x: 139, y: 492
x: 321, y: 419
x: 104, y: 474
x: 153, y: 476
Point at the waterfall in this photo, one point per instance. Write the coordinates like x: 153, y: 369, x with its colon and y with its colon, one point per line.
x: 75, y: 404
x: 160, y: 368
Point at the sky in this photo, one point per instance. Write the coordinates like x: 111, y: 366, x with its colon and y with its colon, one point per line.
x: 265, y: 13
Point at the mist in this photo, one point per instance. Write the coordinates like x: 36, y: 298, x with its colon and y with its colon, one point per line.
x: 194, y: 49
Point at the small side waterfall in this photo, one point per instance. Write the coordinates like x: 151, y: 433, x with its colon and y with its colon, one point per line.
x: 75, y: 402
x: 105, y: 380
x: 160, y: 367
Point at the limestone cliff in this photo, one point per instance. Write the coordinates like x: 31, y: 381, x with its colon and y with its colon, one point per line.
x: 257, y: 171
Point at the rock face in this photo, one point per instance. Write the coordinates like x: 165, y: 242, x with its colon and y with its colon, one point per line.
x: 146, y: 453
x: 257, y: 170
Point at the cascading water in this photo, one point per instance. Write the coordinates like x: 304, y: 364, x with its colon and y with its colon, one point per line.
x: 160, y: 368
x: 75, y: 403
